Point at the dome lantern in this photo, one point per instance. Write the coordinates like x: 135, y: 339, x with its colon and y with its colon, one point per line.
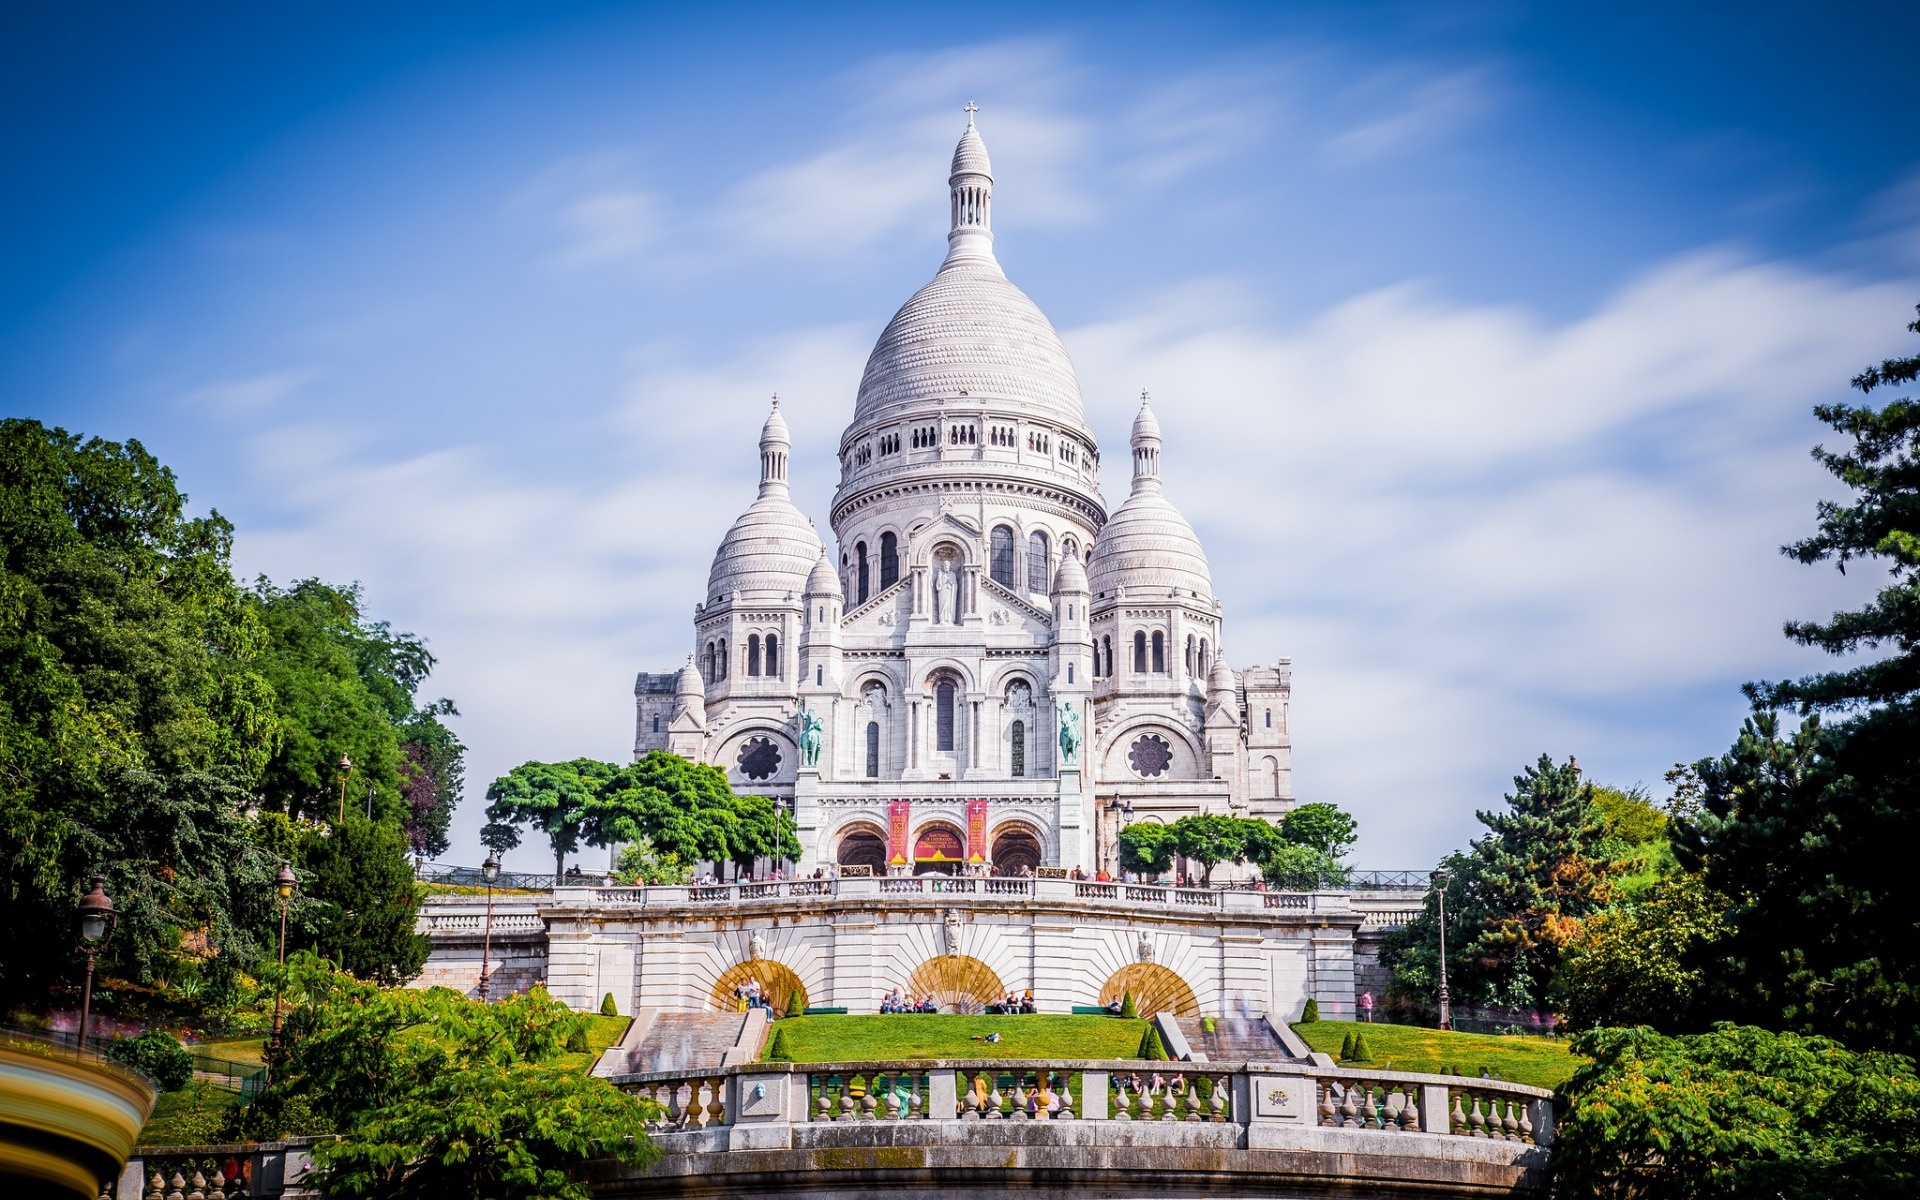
x: 775, y: 444
x: 971, y: 184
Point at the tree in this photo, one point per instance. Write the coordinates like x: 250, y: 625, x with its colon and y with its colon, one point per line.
x: 1146, y: 848
x: 641, y: 864
x: 362, y: 900
x: 1734, y: 1113
x: 1297, y: 868
x: 554, y: 798
x: 687, y: 812
x: 1209, y: 839
x: 436, y: 1095
x: 432, y: 776
x: 1323, y: 827
x: 156, y: 1054
x: 1644, y: 961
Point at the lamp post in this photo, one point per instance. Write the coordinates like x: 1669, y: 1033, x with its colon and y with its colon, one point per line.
x: 284, y: 886
x: 490, y: 870
x: 346, y: 770
x: 97, y: 920
x: 1120, y: 810
x: 1440, y: 878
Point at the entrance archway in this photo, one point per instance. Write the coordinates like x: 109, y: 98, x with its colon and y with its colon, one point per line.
x: 862, y: 846
x: 778, y: 984
x: 939, y: 847
x: 957, y: 983
x: 1017, y: 849
x: 1155, y: 989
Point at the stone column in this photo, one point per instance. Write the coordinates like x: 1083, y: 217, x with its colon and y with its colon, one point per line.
x: 806, y: 819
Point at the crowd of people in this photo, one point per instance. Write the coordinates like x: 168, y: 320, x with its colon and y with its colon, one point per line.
x: 1014, y: 1004
x: 897, y: 1003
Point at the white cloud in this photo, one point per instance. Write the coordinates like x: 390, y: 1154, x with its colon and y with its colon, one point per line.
x: 1418, y: 110
x: 253, y: 393
x: 608, y: 226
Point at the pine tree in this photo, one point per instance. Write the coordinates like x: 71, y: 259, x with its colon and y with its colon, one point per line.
x: 1151, y: 1047
x: 779, y: 1051
x: 797, y: 1003
x: 1361, y: 1053
x: 607, y: 1007
x: 1129, y: 1009
x: 1346, y: 1047
x: 1310, y: 1013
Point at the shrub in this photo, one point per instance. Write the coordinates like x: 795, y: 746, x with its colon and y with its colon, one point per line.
x: 1310, y: 1013
x: 1151, y: 1047
x: 607, y: 1007
x: 577, y: 1040
x: 156, y: 1054
x: 797, y: 1004
x: 1346, y: 1047
x: 1361, y: 1052
x: 1129, y: 1009
x: 779, y: 1051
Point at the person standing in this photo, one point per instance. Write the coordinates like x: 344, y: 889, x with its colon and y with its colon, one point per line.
x: 1366, y: 1007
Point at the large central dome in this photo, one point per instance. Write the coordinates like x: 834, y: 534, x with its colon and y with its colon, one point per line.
x: 969, y: 333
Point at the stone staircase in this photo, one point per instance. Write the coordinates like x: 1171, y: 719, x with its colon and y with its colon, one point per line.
x: 686, y: 1041
x: 1235, y: 1039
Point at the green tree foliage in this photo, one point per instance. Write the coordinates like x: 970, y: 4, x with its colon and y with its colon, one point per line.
x: 640, y: 863
x: 1645, y: 961
x: 1361, y: 1051
x: 435, y: 1095
x: 1346, y: 1047
x: 1146, y: 848
x: 552, y: 798
x: 1129, y: 1007
x: 780, y: 1051
x: 1297, y: 868
x: 1311, y: 1012
x: 156, y: 1054
x: 1152, y: 1048
x: 687, y: 812
x: 1734, y: 1113
x: 797, y: 1003
x: 361, y: 900
x: 1324, y: 827
x: 607, y: 1006
x: 1298, y: 854
x: 1517, y: 898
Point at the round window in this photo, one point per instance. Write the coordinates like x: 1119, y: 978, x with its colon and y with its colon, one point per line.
x: 759, y: 759
x: 1150, y: 755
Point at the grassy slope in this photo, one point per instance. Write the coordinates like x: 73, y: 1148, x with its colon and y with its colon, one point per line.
x: 919, y: 1036
x: 1542, y: 1062
x: 601, y: 1033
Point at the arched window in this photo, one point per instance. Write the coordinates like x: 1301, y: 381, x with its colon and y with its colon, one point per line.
x: 1038, y: 564
x: 720, y: 659
x: 873, y: 749
x: 1140, y: 652
x: 656, y: 722
x: 1000, y: 562
x: 1204, y: 661
x: 773, y: 657
x: 889, y: 560
x: 708, y: 663
x: 1159, y: 653
x: 943, y: 695
x: 753, y: 654
x: 1191, y: 662
x: 1106, y: 648
x: 1269, y: 718
x: 860, y: 554
x: 1019, y: 756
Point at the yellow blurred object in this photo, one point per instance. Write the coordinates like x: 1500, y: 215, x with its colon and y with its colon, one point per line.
x: 68, y: 1119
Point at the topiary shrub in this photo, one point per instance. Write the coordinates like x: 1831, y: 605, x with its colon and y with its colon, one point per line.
x: 577, y: 1040
x: 779, y: 1051
x: 1151, y: 1047
x: 156, y: 1054
x: 607, y: 1007
x: 797, y: 1004
x: 1128, y: 1009
x: 1360, y: 1051
x: 1310, y: 1013
x: 1346, y: 1047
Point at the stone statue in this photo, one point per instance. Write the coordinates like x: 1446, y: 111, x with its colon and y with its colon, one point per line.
x: 812, y: 736
x: 950, y: 932
x: 945, y: 596
x: 1069, y: 733
x: 756, y: 946
x: 1145, y: 949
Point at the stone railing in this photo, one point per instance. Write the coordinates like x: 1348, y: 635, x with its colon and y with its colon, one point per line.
x: 981, y: 889
x: 469, y: 918
x: 1382, y: 1103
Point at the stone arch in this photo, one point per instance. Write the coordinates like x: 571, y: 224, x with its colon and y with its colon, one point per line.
x: 957, y: 983
x: 1186, y: 753
x: 778, y: 983
x: 946, y: 666
x: 938, y: 845
x: 785, y: 755
x: 1015, y: 844
x: 1154, y: 987
x: 861, y: 844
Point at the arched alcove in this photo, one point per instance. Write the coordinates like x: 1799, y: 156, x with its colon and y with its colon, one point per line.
x: 1017, y: 849
x: 957, y: 983
x: 1155, y: 989
x: 862, y: 846
x: 939, y: 846
x: 778, y: 984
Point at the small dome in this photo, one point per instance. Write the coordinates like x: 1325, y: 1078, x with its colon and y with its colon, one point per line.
x: 970, y: 156
x: 770, y: 549
x: 1146, y: 426
x: 1071, y: 577
x: 1148, y: 544
x: 688, y: 682
x: 824, y: 581
x: 774, y: 432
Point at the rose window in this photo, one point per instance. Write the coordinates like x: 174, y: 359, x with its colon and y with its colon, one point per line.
x: 1150, y: 755
x: 759, y: 759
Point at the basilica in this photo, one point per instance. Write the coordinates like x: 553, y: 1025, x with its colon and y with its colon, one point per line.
x: 989, y: 670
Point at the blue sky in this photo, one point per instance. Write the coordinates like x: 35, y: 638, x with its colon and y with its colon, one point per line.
x: 1484, y: 336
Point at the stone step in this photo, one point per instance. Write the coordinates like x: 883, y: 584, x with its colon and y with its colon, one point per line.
x: 686, y: 1041
x: 1234, y: 1039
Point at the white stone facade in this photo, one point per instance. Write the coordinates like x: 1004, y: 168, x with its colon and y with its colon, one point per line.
x: 980, y: 600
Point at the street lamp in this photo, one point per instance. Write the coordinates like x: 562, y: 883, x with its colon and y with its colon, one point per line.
x: 97, y: 920
x: 490, y: 870
x: 284, y: 886
x: 1120, y: 809
x: 1440, y: 878
x: 346, y: 769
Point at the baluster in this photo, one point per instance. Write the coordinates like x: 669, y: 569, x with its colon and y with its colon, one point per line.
x: 1066, y: 1101
x: 1328, y: 1114
x: 1220, y: 1089
x: 1170, y: 1100
x: 970, y: 1103
x: 1121, y: 1099
x: 219, y: 1191
x: 994, y: 1100
x: 1410, y: 1111
x: 846, y: 1099
x: 156, y: 1188
x: 1508, y: 1126
x: 1020, y: 1097
x: 199, y: 1191
x: 915, y: 1110
x: 1349, y: 1107
x: 1476, y: 1120
x: 824, y: 1105
x: 1526, y: 1123
x: 1457, y: 1123
x: 179, y: 1186
x: 870, y: 1103
x: 717, y: 1101
x: 893, y: 1096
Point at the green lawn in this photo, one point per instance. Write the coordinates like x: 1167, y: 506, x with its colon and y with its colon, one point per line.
x: 920, y: 1036
x: 251, y: 1049
x: 191, y: 1116
x: 601, y: 1033
x: 1540, y: 1061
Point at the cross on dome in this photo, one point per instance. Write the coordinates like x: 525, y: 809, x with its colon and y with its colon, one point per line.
x: 971, y: 109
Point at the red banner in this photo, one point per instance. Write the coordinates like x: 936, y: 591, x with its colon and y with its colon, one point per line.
x: 897, y: 820
x: 976, y: 831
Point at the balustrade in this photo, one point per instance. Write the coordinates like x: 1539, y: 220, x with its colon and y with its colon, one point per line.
x: 1099, y: 892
